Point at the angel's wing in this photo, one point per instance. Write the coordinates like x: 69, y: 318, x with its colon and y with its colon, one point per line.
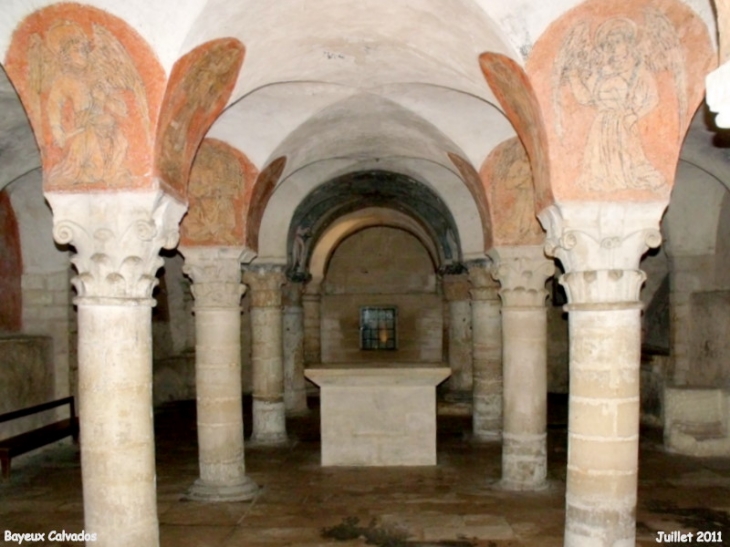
x: 113, y: 64
x: 662, y: 50
x: 574, y: 54
x: 40, y: 74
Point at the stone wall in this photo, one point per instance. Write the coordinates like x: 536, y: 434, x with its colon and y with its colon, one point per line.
x: 47, y: 310
x: 26, y: 378
x: 710, y: 345
x: 382, y: 267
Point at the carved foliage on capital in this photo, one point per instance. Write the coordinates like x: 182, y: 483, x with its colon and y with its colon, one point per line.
x: 216, y: 278
x: 602, y: 266
x: 522, y: 273
x: 456, y: 287
x: 117, y: 241
x: 265, y: 285
x: 483, y: 285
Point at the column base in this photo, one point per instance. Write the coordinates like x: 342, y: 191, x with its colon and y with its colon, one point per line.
x: 205, y: 491
x: 519, y: 486
x: 269, y: 423
x: 273, y: 440
x: 485, y: 436
x: 296, y: 403
x: 524, y: 461
x: 298, y: 412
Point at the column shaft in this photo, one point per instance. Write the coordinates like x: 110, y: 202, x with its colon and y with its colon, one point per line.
x: 524, y: 451
x: 522, y: 272
x: 311, y: 303
x: 217, y: 289
x: 219, y: 407
x: 456, y: 290
x: 269, y: 413
x: 117, y: 436
x: 486, y: 355
x: 295, y: 392
x: 600, y: 246
x: 603, y: 439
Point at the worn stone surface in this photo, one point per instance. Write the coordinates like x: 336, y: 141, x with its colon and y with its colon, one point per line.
x: 378, y: 416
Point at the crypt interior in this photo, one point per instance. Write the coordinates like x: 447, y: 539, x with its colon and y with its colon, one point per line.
x: 459, y: 270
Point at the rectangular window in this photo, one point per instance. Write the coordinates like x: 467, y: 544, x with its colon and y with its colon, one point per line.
x: 377, y: 328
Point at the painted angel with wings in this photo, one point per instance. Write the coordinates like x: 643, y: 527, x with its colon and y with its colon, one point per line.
x: 84, y: 82
x: 613, y: 71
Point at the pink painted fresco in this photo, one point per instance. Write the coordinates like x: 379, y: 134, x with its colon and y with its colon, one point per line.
x: 618, y: 83
x: 200, y: 84
x: 513, y: 90
x: 220, y: 182
x: 474, y: 184
x: 259, y: 197
x: 92, y: 88
x: 507, y: 179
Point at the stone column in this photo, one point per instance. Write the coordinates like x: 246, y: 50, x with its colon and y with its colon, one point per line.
x: 600, y: 245
x: 117, y: 238
x: 269, y: 413
x: 311, y: 303
x: 295, y: 389
x: 487, y: 353
x: 217, y: 289
x: 522, y: 273
x: 456, y: 292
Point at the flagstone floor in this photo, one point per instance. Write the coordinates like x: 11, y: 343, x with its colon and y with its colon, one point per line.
x: 455, y: 504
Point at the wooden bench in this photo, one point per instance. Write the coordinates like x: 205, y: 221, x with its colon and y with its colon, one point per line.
x: 25, y: 442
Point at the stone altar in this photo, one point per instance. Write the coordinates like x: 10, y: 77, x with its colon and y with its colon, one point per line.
x: 378, y: 416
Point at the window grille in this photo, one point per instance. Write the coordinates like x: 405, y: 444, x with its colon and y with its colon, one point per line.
x: 378, y: 328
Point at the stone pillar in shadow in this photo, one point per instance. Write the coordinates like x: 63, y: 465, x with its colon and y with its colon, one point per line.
x: 269, y: 412
x: 217, y: 289
x: 486, y: 352
x: 117, y: 238
x: 456, y: 292
x: 295, y: 392
x: 312, y: 307
x: 599, y: 246
x: 522, y: 274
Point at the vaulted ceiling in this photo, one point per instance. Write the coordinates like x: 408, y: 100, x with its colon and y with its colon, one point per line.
x: 340, y: 88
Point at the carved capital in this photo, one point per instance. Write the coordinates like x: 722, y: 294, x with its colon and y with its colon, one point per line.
x: 216, y: 275
x: 718, y: 94
x: 483, y: 285
x: 292, y: 294
x: 117, y: 237
x: 456, y: 287
x: 600, y: 246
x: 522, y: 272
x: 265, y: 282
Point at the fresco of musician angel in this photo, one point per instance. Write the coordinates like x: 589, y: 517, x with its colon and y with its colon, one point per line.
x: 82, y: 84
x: 612, y: 69
x: 216, y: 184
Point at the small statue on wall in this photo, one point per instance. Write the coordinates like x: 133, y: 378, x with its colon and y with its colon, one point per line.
x: 299, y: 251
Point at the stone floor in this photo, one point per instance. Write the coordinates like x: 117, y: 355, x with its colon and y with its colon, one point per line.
x: 455, y: 504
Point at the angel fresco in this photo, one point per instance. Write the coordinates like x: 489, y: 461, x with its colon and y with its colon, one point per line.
x: 613, y: 71
x: 215, y: 183
x: 515, y: 193
x: 84, y: 80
